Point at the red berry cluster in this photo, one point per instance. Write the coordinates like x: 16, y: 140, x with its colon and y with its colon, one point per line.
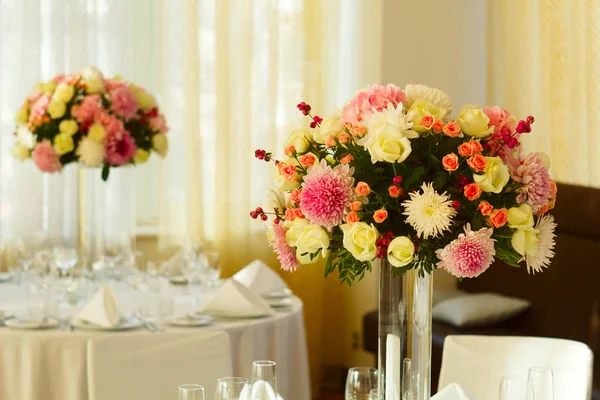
x: 456, y: 205
x: 463, y: 181
x: 524, y: 126
x: 305, y: 108
x: 316, y: 121
x: 508, y: 138
x: 262, y: 155
x: 258, y: 213
x: 397, y: 180
x: 382, y: 244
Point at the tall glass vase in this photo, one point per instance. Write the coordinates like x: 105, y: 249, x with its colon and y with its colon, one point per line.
x: 106, y: 211
x: 404, y: 360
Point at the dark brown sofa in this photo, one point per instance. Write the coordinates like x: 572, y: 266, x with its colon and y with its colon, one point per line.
x: 565, y: 298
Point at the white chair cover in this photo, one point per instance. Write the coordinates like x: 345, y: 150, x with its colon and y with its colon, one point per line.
x: 156, y: 364
x: 478, y: 363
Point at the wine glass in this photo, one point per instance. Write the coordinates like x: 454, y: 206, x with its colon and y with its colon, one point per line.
x: 65, y: 258
x: 212, y: 267
x: 264, y: 381
x: 26, y: 249
x: 190, y: 391
x: 511, y: 388
x: 360, y: 382
x: 232, y: 389
x: 540, y: 384
x: 374, y: 394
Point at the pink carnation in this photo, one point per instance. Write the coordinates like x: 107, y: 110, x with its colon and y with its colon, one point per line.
x: 34, y: 96
x: 327, y: 193
x: 159, y: 124
x: 285, y: 254
x: 469, y: 255
x: 39, y: 107
x: 120, y: 148
x: 45, y: 157
x: 85, y: 112
x: 531, y: 172
x: 500, y: 118
x: 112, y: 84
x: 371, y: 100
x: 111, y: 124
x: 123, y: 102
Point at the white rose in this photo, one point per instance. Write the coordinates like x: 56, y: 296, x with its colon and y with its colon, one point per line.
x: 359, y: 240
x: 20, y: 152
x: 91, y: 153
x: 64, y: 92
x: 520, y: 217
x: 299, y: 139
x: 56, y: 108
x: 25, y: 137
x: 400, y: 251
x: 388, y: 144
x: 160, y: 144
x: 90, y: 72
x: 331, y: 126
x: 495, y: 175
x: 311, y: 240
x: 473, y: 121
x: 525, y: 242
x: 296, y: 228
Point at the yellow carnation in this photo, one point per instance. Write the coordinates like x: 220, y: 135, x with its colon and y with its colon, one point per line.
x: 20, y: 152
x: 160, y: 144
x: 48, y: 87
x: 64, y: 92
x: 97, y: 132
x: 68, y: 126
x: 63, y: 143
x: 22, y: 116
x: 56, y: 108
x: 141, y: 156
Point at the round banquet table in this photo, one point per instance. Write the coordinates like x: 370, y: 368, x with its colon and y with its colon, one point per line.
x: 51, y: 364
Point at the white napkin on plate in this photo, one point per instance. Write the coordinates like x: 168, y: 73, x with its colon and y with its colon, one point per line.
x: 101, y: 310
x: 260, y: 278
x: 235, y: 300
x: 452, y: 392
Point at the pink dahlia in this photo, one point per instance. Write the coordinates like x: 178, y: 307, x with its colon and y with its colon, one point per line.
x: 123, y: 102
x: 469, y: 255
x: 531, y: 172
x: 327, y: 193
x: 373, y: 99
x: 159, y: 124
x: 39, y: 107
x: 500, y: 118
x: 120, y: 148
x: 86, y: 111
x: 111, y: 124
x: 45, y: 157
x: 285, y: 254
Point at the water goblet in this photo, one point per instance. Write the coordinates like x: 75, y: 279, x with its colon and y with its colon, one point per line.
x: 264, y: 381
x: 232, y: 388
x: 360, y: 382
x: 190, y: 392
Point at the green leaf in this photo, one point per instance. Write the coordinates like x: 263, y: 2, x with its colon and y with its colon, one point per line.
x: 416, y: 176
x: 105, y: 172
x: 476, y: 223
x: 440, y: 181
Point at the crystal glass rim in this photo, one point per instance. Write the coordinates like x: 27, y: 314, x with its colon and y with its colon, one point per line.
x: 264, y: 363
x: 363, y: 369
x: 235, y: 379
x: 190, y: 386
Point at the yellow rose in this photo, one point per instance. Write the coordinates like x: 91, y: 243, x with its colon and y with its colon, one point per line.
x: 495, y: 175
x: 160, y: 144
x: 145, y: 100
x: 299, y: 139
x: 359, y: 240
x: 388, y: 144
x: 94, y: 86
x: 48, y: 87
x: 400, y: 251
x: 68, y: 126
x: 473, y: 121
x: 56, y: 108
x: 525, y: 242
x: 20, y: 152
x: 520, y: 217
x: 97, y: 132
x: 311, y: 240
x: 294, y: 231
x: 90, y: 72
x: 63, y: 143
x: 419, y: 109
x: 22, y: 116
x: 141, y: 156
x: 331, y: 126
x: 64, y: 92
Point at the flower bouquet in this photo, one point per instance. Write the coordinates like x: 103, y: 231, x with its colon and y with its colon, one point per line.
x: 87, y: 118
x: 393, y: 176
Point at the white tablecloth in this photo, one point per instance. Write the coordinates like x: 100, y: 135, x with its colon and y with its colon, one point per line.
x: 51, y: 365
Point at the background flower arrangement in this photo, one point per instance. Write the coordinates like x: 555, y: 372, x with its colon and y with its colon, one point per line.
x: 87, y: 118
x: 394, y: 176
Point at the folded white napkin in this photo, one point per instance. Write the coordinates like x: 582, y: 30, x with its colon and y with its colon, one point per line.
x: 260, y: 278
x: 235, y: 300
x: 101, y: 310
x: 452, y: 392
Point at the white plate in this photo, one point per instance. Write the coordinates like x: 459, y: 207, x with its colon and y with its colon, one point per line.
x: 178, y: 280
x: 16, y: 323
x: 4, y: 277
x: 124, y: 325
x: 192, y: 320
x: 280, y: 303
x: 284, y: 294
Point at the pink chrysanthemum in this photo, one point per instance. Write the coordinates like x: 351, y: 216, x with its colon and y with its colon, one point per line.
x: 285, y: 254
x: 327, y: 193
x: 531, y: 172
x: 373, y: 99
x: 469, y: 255
x: 120, y: 148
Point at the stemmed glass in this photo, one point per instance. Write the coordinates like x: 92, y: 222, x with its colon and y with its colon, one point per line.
x: 26, y: 250
x: 360, y: 382
x: 212, y: 267
x: 190, y: 392
x: 232, y: 389
x: 117, y: 250
x: 540, y: 384
x: 512, y: 388
x: 264, y: 381
x: 65, y: 258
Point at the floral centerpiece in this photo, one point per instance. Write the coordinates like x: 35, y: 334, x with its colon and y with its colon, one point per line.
x: 394, y: 176
x: 90, y: 119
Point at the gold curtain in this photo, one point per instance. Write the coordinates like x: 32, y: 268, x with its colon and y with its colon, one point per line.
x: 544, y: 60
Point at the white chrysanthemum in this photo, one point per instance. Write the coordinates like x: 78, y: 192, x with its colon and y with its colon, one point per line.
x: 537, y: 261
x: 25, y: 137
x: 393, y: 116
x: 91, y: 153
x: 434, y: 96
x: 276, y: 199
x: 429, y: 212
